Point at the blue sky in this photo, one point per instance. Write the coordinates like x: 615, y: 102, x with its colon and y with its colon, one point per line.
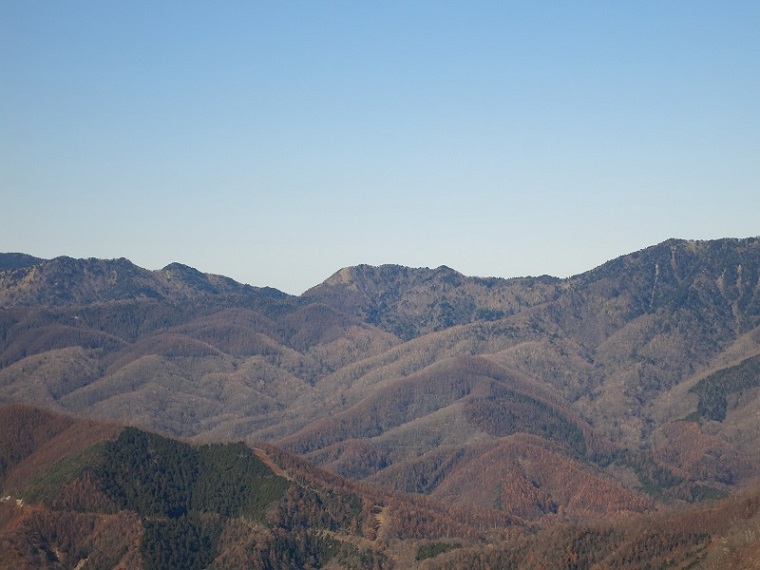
x: 276, y: 142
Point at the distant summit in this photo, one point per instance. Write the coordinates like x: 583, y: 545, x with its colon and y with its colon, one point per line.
x: 412, y: 301
x: 29, y: 281
x: 17, y: 261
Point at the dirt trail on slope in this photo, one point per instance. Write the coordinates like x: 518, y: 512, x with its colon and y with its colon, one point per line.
x: 261, y: 454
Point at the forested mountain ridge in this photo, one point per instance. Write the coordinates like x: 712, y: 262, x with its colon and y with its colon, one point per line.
x: 410, y: 302
x: 634, y: 383
x: 76, y: 493
x: 27, y: 281
x: 79, y: 494
x: 664, y: 275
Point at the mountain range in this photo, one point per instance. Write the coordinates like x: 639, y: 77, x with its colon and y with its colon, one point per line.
x: 628, y: 391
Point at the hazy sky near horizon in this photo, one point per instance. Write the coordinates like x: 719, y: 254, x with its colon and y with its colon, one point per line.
x: 276, y: 142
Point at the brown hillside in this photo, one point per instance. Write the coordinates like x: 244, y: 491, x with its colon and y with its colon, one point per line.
x: 527, y: 478
x: 33, y: 439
